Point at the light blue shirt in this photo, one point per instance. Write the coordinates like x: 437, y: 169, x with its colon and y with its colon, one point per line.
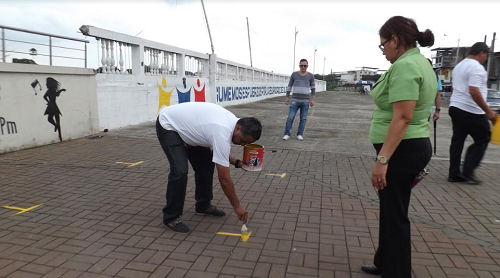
x: 440, y: 86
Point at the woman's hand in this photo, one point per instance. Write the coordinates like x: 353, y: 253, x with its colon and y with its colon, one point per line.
x: 378, y: 176
x: 435, y: 117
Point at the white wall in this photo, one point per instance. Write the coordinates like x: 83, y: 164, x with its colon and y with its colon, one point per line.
x: 347, y: 78
x: 125, y: 100
x: 240, y: 92
x: 22, y: 120
x: 133, y: 99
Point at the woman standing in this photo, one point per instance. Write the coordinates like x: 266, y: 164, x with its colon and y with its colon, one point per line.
x: 400, y: 134
x: 52, y: 110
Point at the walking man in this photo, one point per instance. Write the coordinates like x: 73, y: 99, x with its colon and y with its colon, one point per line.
x: 202, y: 133
x: 469, y: 114
x: 301, y: 81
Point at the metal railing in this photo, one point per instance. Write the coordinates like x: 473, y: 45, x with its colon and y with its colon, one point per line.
x: 50, y: 45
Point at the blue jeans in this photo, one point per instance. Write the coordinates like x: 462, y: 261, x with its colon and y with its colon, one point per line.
x: 294, y: 106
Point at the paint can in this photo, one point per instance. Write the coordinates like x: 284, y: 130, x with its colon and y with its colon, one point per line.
x: 253, y: 157
x: 495, y: 133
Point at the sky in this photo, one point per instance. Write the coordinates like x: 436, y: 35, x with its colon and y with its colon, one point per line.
x: 345, y: 33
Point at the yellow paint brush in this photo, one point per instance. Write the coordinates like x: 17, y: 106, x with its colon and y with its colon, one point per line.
x: 245, y: 234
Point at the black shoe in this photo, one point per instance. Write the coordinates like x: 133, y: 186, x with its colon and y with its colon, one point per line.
x: 212, y: 210
x: 470, y: 179
x: 370, y: 269
x: 459, y: 178
x: 177, y: 226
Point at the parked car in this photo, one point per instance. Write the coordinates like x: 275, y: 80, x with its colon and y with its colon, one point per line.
x: 494, y: 100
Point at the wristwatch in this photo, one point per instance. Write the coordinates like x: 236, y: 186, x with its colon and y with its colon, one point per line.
x: 382, y: 159
x: 438, y: 109
x: 237, y: 163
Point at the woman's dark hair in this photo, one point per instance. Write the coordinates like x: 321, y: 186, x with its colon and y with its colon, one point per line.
x: 250, y: 126
x: 407, y: 31
x: 53, y: 84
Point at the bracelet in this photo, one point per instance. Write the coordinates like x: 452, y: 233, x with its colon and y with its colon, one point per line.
x: 438, y: 109
x: 236, y: 163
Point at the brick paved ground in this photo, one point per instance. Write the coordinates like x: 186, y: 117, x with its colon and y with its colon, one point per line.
x: 103, y: 219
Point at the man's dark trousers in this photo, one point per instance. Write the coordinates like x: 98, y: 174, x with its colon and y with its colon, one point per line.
x: 475, y: 125
x: 178, y: 154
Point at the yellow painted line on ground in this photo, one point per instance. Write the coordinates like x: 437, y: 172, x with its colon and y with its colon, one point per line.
x: 130, y: 164
x: 277, y: 175
x: 244, y: 237
x: 259, y: 113
x: 228, y: 234
x: 21, y: 210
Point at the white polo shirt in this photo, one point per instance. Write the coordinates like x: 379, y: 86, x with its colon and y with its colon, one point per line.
x: 202, y: 124
x: 467, y: 73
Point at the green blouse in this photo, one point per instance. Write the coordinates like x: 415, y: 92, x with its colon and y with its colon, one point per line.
x: 410, y: 78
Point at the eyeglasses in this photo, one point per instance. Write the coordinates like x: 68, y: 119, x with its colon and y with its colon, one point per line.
x: 381, y: 46
x: 303, y: 66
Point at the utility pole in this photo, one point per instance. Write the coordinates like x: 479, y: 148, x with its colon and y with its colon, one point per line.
x: 208, y: 27
x: 314, y: 67
x: 458, y: 50
x: 296, y: 32
x: 249, y: 46
x: 324, y: 60
x: 490, y: 56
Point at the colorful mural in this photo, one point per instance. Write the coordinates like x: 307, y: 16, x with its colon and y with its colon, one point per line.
x: 163, y: 94
x: 183, y: 95
x: 199, y: 95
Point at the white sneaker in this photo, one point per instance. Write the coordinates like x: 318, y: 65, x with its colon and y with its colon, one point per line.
x: 286, y: 137
x: 300, y: 138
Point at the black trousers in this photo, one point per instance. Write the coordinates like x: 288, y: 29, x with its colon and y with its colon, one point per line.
x: 178, y: 154
x: 477, y: 126
x: 393, y: 254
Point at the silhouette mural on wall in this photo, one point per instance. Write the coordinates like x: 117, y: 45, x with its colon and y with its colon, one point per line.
x: 52, y: 110
x: 34, y: 83
x: 163, y: 95
x: 199, y: 95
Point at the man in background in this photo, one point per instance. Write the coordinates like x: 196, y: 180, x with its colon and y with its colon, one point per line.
x: 469, y: 114
x: 300, y: 81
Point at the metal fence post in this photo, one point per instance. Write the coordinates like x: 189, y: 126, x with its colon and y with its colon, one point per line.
x: 85, y: 54
x: 50, y: 50
x: 3, y: 45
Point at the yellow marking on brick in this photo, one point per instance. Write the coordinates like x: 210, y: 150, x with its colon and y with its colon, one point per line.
x: 244, y: 237
x: 130, y: 164
x: 277, y: 175
x: 21, y: 210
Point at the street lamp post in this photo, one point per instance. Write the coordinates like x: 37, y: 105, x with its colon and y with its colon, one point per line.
x: 314, y: 67
x: 296, y: 32
x: 324, y: 61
